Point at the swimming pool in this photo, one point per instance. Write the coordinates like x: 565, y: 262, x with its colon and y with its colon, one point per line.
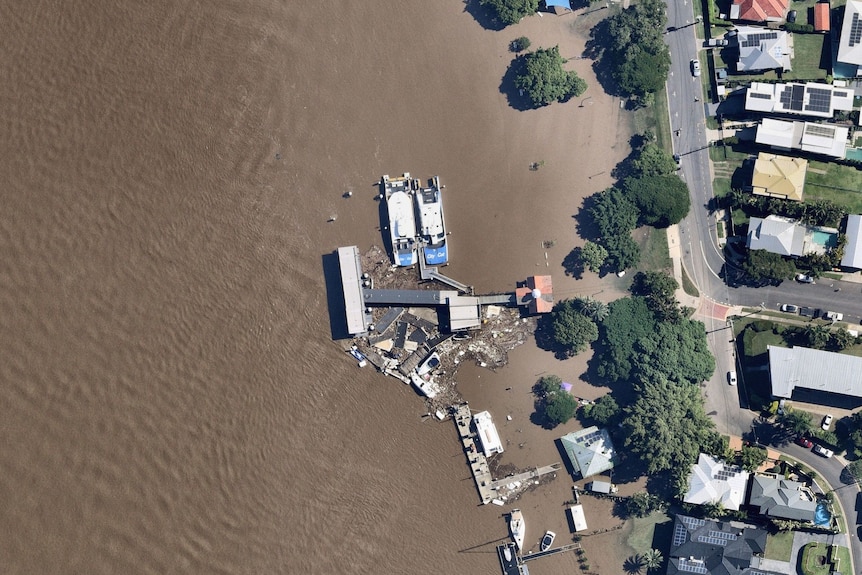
x: 822, y: 517
x: 828, y: 239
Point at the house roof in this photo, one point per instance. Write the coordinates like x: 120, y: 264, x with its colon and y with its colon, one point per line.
x: 853, y: 249
x: 821, y: 17
x: 759, y: 10
x: 779, y: 176
x: 762, y: 49
x: 589, y: 450
x: 776, y: 235
x: 776, y: 496
x: 714, y: 481
x: 823, y: 139
x: 809, y: 99
x: 850, y: 43
x: 814, y: 369
x: 704, y: 546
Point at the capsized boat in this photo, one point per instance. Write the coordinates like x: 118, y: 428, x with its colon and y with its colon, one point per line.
x: 402, y: 222
x: 432, y: 227
x: 516, y: 526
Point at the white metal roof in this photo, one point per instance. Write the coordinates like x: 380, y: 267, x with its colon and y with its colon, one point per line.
x: 578, y: 518
x: 853, y: 250
x: 813, y: 369
x: 487, y: 433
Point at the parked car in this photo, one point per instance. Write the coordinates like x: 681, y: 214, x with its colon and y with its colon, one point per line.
x: 833, y: 315
x: 695, y: 68
x: 807, y: 312
x: 731, y: 377
x: 804, y: 278
x: 804, y: 442
x: 820, y: 450
x: 791, y: 16
x: 789, y: 308
x: 713, y: 42
x: 827, y: 421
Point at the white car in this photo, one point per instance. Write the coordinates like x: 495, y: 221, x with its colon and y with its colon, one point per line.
x: 790, y: 308
x: 695, y: 68
x: 820, y: 450
x: 804, y: 278
x: 731, y: 377
x: 834, y: 315
x: 827, y: 421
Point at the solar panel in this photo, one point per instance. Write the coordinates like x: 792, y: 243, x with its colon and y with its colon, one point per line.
x: 723, y: 535
x: 855, y: 30
x: 755, y: 39
x: 679, y: 535
x: 692, y: 566
x: 797, y: 97
x: 713, y: 541
x: 693, y: 523
x: 818, y: 130
x: 838, y: 94
x: 761, y: 96
x: 819, y: 100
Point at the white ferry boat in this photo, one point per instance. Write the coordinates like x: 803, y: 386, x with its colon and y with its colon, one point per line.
x: 432, y: 227
x: 402, y: 223
x: 516, y: 526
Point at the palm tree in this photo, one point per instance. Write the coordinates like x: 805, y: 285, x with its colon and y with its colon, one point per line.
x: 652, y: 559
x: 592, y: 308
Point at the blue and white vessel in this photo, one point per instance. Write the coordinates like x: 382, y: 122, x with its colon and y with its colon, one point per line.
x: 432, y: 228
x: 402, y: 223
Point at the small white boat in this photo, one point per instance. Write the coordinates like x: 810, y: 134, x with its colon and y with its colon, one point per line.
x: 547, y: 540
x: 358, y: 356
x: 402, y: 220
x: 516, y: 526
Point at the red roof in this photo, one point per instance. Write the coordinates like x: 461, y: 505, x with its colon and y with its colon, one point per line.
x: 761, y: 10
x: 821, y: 16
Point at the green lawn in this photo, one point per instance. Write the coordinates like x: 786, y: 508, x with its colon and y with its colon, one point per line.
x: 721, y: 186
x: 643, y: 528
x: 840, y: 184
x: 655, y: 118
x: 807, y: 56
x: 779, y: 546
x: 688, y: 285
x: 816, y: 559
x: 654, y: 250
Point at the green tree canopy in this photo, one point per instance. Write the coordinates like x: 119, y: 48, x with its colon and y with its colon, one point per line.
x: 674, y: 351
x: 511, y: 11
x: 613, y: 213
x: 653, y: 160
x: 544, y: 80
x: 623, y: 252
x: 662, y: 200
x: 659, y: 289
x: 764, y: 266
x: 550, y: 384
x: 629, y: 319
x: 798, y: 422
x: 635, y: 50
x: 591, y: 307
x: 667, y: 426
x: 559, y: 408
x: 604, y: 411
x: 752, y: 457
x: 572, y: 330
x: 593, y: 256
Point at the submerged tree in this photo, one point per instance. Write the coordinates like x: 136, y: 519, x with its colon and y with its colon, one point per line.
x: 511, y: 11
x: 544, y: 80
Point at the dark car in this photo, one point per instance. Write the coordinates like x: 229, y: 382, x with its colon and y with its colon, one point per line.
x: 791, y: 16
x: 804, y: 442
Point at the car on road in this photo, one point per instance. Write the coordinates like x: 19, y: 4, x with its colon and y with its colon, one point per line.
x: 695, y: 68
x: 833, y: 315
x: 827, y: 421
x: 807, y: 312
x: 804, y: 278
x: 789, y: 308
x: 804, y: 442
x: 820, y: 450
x: 731, y: 377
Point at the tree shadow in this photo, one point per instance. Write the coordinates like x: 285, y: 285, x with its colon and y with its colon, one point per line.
x: 585, y: 226
x: 626, y: 167
x: 514, y: 97
x: 483, y: 16
x: 634, y: 565
x: 595, y: 50
x: 573, y: 265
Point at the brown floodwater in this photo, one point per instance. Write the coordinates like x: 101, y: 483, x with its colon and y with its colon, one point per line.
x: 172, y: 400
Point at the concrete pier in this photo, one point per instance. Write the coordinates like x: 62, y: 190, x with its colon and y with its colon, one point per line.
x: 478, y: 463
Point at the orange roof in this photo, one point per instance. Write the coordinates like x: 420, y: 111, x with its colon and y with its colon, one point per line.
x: 821, y: 16
x: 761, y: 10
